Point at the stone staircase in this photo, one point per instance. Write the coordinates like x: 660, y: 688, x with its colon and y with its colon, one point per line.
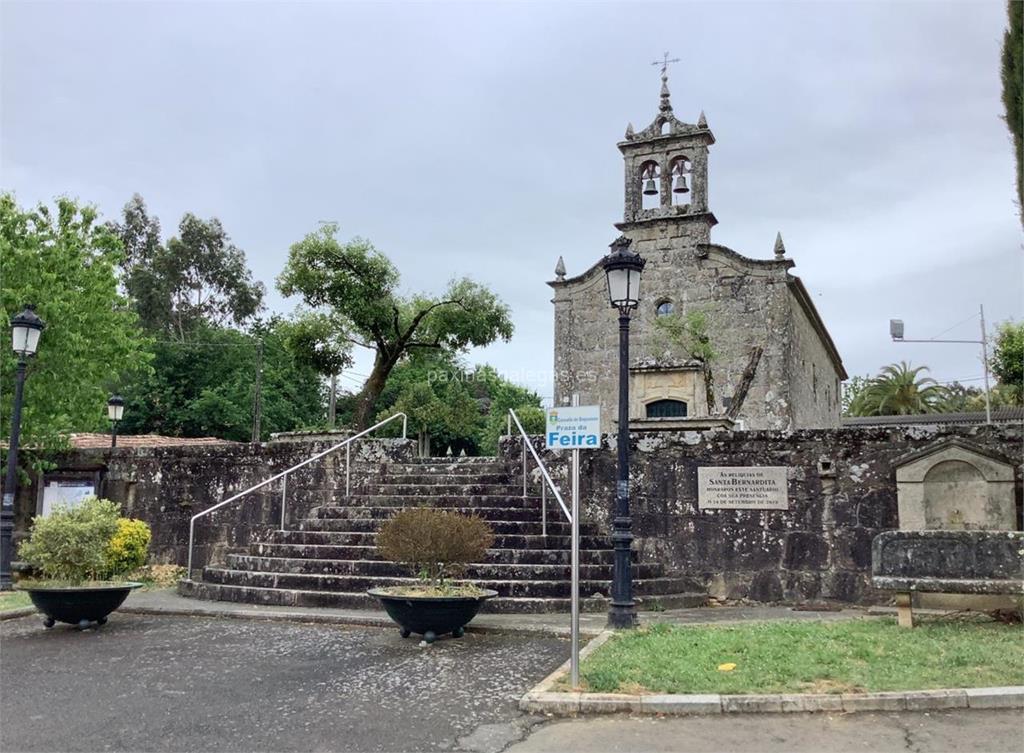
x: 329, y: 559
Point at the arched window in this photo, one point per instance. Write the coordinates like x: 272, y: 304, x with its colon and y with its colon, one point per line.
x: 650, y: 185
x: 666, y: 409
x: 665, y: 308
x: 666, y: 128
x: 682, y: 177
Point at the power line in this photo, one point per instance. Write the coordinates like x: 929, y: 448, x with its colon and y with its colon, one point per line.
x: 935, y: 337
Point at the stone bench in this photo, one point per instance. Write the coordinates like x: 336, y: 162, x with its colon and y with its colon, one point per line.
x: 957, y: 562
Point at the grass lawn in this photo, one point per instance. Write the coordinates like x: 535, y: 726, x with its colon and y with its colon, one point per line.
x: 808, y: 657
x: 14, y: 600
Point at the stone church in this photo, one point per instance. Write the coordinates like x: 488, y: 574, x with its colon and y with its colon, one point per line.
x: 719, y: 339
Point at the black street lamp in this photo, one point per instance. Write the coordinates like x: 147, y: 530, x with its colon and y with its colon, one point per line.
x: 623, y: 268
x: 25, y: 330
x: 115, y: 410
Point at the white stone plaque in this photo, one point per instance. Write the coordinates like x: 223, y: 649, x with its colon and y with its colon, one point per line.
x: 742, y: 488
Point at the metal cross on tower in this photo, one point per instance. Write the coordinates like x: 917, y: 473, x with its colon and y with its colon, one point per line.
x: 664, y: 63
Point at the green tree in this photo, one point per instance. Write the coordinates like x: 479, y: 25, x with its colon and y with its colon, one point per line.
x: 360, y: 286
x: 851, y: 389
x: 198, y: 277
x: 961, y: 398
x: 139, y: 233
x: 205, y: 386
x: 501, y: 395
x: 442, y: 414
x: 687, y: 335
x: 1007, y: 361
x: 65, y: 263
x: 1012, y: 74
x: 319, y: 340
x: 899, y: 391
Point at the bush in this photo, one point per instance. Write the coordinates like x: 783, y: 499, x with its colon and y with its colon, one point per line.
x: 128, y: 546
x: 70, y: 544
x: 436, y: 544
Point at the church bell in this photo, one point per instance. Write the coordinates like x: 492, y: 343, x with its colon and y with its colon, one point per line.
x: 680, y: 186
x: 649, y: 188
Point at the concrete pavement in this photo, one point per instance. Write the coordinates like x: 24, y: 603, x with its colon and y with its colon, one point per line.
x: 163, y: 683
x: 167, y: 601
x: 910, y: 732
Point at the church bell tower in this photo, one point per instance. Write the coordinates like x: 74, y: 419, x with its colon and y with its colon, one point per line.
x: 666, y: 168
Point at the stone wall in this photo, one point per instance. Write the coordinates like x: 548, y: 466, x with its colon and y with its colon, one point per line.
x: 814, y: 385
x: 842, y: 492
x: 166, y: 486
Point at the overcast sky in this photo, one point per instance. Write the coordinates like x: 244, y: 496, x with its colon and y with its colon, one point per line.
x: 479, y: 139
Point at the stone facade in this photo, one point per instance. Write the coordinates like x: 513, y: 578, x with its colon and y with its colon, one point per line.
x: 842, y: 492
x: 759, y: 316
x: 166, y: 486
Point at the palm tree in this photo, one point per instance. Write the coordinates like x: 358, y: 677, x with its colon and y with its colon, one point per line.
x: 897, y: 391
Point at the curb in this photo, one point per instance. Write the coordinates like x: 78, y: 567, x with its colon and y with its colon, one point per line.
x: 541, y: 699
x: 13, y: 614
x: 311, y: 617
x: 370, y: 620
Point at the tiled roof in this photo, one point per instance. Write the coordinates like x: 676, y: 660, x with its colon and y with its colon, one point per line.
x: 87, y: 441
x: 999, y: 416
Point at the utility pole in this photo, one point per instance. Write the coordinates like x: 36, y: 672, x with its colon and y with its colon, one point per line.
x: 984, y: 361
x: 257, y: 398
x: 333, y: 404
x: 896, y: 333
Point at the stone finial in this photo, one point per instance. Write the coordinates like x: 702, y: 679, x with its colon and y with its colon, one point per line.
x: 780, y: 248
x: 666, y: 104
x: 629, y: 131
x: 560, y: 269
x: 702, y: 122
x: 620, y: 244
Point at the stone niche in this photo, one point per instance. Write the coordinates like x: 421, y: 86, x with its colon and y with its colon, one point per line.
x: 954, y: 485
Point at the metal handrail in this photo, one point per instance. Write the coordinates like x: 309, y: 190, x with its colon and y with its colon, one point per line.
x: 284, y: 476
x: 544, y: 472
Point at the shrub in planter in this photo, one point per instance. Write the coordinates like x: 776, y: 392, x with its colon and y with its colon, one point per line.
x: 81, y: 552
x: 436, y: 545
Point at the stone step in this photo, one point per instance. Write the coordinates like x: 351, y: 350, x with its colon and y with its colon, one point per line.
x: 458, y: 478
x: 501, y: 541
x: 446, y: 489
x: 324, y: 599
x: 357, y: 583
x: 505, y: 527
x: 369, y: 551
x: 475, y: 571
x: 363, y: 512
x: 448, y: 500
x: 455, y: 465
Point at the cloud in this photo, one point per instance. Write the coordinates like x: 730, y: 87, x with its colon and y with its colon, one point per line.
x: 479, y: 139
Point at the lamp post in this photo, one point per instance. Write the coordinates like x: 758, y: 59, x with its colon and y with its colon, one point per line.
x: 115, y: 410
x: 622, y: 268
x: 25, y: 330
x: 896, y: 333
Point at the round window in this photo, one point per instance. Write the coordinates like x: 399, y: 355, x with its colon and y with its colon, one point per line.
x: 665, y: 308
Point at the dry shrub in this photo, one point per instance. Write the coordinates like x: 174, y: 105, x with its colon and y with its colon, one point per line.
x: 436, y: 544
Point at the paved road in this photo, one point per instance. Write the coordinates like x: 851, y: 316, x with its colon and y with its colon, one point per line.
x: 165, y: 683
x: 144, y: 683
x: 962, y: 731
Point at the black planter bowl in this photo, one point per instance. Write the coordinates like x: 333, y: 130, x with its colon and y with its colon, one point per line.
x: 431, y: 616
x: 78, y: 605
